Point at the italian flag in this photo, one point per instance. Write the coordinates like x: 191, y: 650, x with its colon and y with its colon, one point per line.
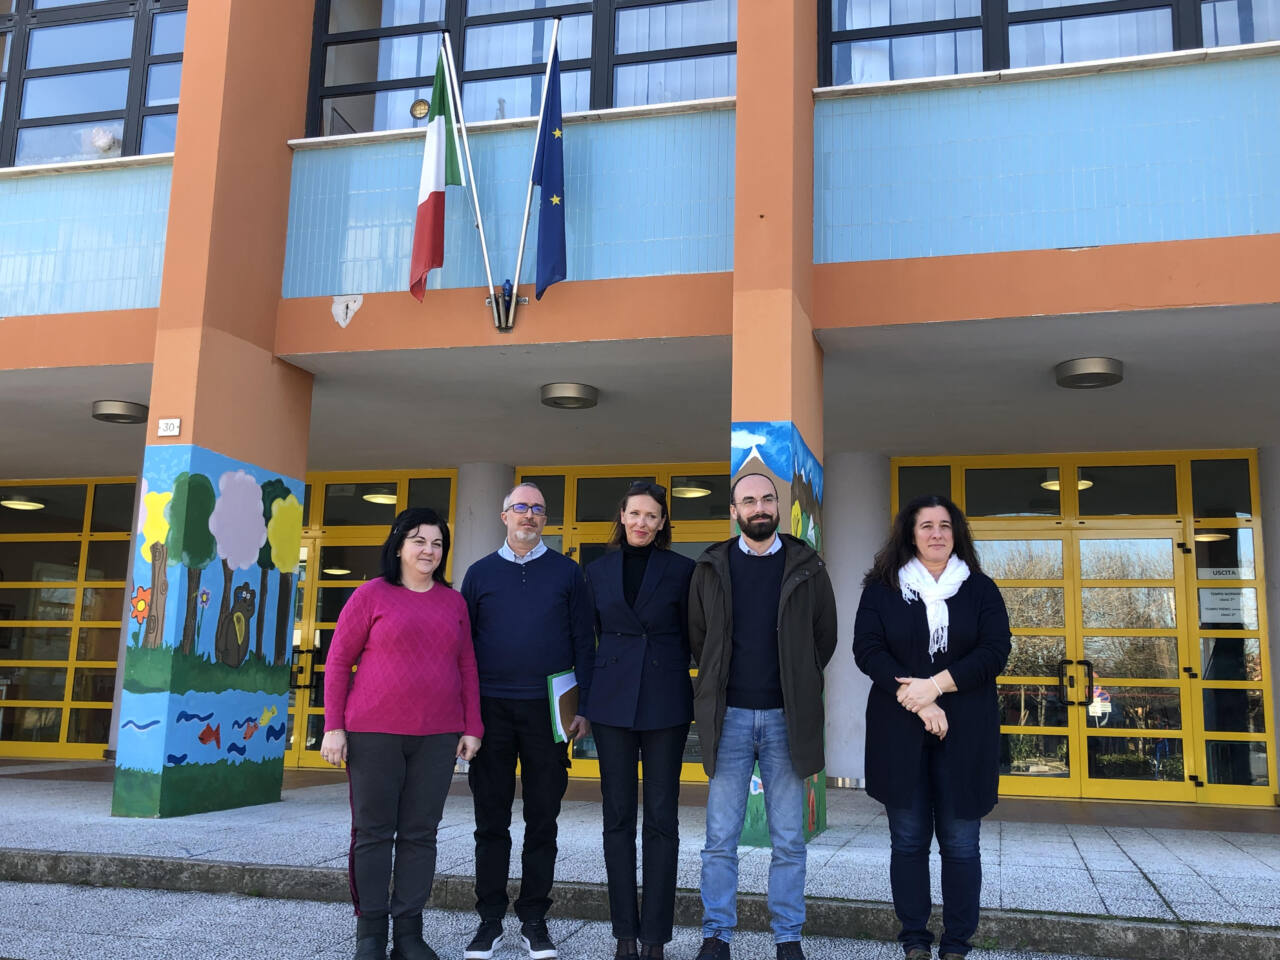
x: 439, y: 167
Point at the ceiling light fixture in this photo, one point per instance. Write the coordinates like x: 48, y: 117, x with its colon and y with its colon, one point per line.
x: 19, y: 501
x: 382, y: 499
x: 1212, y: 537
x: 690, y: 491
x: 1089, y: 373
x: 119, y: 411
x: 569, y: 396
x: 1057, y: 484
x: 336, y: 571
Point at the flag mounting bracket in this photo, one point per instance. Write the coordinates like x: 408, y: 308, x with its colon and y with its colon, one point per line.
x: 523, y: 301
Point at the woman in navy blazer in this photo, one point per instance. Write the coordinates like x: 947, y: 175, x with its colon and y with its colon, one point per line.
x: 640, y: 707
x: 932, y: 633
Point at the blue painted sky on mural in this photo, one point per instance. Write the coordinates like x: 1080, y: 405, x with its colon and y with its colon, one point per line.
x: 780, y: 446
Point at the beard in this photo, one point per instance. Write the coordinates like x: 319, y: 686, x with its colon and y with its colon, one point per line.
x: 526, y: 534
x: 760, y: 527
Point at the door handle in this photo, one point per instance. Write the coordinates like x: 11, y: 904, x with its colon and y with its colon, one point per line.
x: 298, y: 668
x: 1062, y: 682
x: 1088, y: 669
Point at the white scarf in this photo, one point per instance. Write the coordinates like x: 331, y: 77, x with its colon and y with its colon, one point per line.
x: 917, y: 583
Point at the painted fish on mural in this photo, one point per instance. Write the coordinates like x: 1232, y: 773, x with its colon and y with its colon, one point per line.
x: 267, y: 714
x: 211, y: 734
x: 250, y: 729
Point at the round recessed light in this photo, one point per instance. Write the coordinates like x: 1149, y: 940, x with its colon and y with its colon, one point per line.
x: 20, y: 501
x: 570, y: 396
x: 419, y: 109
x: 690, y: 491
x: 1089, y: 373
x: 119, y: 411
x: 1057, y: 484
x: 336, y: 571
x: 382, y: 499
x: 1212, y: 537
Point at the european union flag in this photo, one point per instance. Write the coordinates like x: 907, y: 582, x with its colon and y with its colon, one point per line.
x: 548, y: 174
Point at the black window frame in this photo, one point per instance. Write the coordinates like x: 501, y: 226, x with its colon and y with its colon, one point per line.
x: 995, y: 19
x: 24, y: 18
x: 601, y: 63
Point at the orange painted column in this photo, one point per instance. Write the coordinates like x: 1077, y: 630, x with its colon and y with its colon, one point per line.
x: 777, y: 363
x: 204, y: 709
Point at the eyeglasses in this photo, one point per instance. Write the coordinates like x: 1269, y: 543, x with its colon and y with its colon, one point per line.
x: 536, y: 509
x: 749, y: 503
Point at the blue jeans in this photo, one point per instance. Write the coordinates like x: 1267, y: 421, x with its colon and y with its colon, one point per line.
x: 911, y: 831
x: 748, y: 736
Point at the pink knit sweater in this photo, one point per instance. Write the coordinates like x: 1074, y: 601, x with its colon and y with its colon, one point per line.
x: 417, y: 667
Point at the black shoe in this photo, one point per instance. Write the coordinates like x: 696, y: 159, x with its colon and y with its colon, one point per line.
x: 790, y: 950
x: 406, y: 934
x: 371, y: 938
x: 538, y: 941
x: 488, y: 936
x: 626, y: 951
x: 651, y: 951
x: 713, y: 948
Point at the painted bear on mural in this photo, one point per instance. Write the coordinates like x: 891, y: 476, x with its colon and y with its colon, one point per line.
x: 231, y: 642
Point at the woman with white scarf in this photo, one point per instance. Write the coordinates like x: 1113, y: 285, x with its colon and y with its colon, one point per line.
x: 932, y: 633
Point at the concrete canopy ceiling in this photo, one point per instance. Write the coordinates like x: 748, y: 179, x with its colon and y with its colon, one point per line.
x: 660, y: 401
x: 46, y: 429
x: 1194, y: 379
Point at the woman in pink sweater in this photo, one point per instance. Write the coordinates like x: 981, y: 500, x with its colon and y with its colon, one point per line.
x: 411, y: 708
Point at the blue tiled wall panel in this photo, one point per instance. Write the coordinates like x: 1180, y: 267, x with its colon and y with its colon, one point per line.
x: 72, y: 242
x: 644, y: 196
x: 1149, y: 155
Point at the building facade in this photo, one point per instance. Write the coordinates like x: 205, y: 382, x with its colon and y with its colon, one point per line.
x: 842, y: 242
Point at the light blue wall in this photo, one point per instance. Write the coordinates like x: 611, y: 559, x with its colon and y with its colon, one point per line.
x: 645, y: 196
x: 1147, y: 155
x: 72, y: 242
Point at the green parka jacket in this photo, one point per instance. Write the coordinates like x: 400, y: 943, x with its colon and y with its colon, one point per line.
x: 806, y: 641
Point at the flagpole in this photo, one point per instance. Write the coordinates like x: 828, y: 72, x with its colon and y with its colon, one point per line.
x: 528, y: 197
x: 452, y: 73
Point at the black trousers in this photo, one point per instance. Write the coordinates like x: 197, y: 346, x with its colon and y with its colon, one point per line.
x: 621, y: 750
x: 517, y: 730
x: 398, y: 787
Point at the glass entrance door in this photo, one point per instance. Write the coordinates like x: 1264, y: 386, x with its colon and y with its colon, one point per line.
x: 1124, y: 682
x: 581, y: 503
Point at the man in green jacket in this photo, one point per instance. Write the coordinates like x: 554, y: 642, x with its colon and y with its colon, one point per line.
x: 762, y: 624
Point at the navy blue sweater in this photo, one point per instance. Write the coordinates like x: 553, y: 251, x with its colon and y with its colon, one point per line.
x: 529, y: 621
x: 755, y: 682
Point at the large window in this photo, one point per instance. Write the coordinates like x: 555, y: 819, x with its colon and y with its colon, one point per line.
x: 373, y: 58
x: 88, y: 80
x: 868, y: 41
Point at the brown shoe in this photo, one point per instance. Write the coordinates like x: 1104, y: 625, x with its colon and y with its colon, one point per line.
x: 919, y: 953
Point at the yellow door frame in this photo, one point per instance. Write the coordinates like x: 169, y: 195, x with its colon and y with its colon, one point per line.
x: 306, y: 698
x: 574, y: 533
x: 80, y: 587
x: 1071, y: 526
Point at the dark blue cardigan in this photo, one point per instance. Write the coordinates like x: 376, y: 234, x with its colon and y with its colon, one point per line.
x: 641, y: 677
x: 891, y: 639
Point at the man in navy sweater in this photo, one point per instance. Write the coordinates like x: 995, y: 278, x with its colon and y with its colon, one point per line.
x: 762, y: 626
x: 531, y: 617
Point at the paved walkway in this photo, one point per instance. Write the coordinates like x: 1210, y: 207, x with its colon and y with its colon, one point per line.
x: 1115, y: 874
x: 53, y: 922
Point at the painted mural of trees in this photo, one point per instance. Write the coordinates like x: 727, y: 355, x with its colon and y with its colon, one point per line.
x: 238, y: 527
x: 284, y: 531
x: 190, y: 541
x: 272, y: 491
x: 153, y: 524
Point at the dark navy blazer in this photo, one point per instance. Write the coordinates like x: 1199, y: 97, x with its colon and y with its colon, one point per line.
x: 641, y: 676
